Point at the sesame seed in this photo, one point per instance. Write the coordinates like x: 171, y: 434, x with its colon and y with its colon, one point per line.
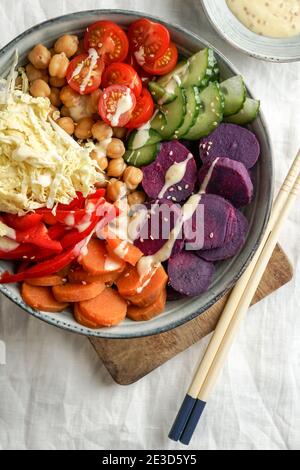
x: 211, y: 235
x: 179, y: 188
x: 186, y: 186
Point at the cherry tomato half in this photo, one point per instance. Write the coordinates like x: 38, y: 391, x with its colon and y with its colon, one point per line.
x: 84, y: 73
x: 122, y: 74
x: 148, y: 40
x: 164, y: 64
x: 144, y: 76
x: 143, y: 111
x: 116, y: 105
x: 108, y: 39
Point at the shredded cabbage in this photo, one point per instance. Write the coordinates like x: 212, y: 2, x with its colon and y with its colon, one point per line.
x: 40, y: 165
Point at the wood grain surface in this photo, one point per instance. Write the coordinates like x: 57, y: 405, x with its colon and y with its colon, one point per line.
x: 128, y: 360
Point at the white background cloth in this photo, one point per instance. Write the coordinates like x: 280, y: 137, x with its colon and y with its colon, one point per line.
x: 55, y: 393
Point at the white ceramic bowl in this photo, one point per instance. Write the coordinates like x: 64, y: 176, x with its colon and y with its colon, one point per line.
x: 231, y: 29
x: 227, y: 273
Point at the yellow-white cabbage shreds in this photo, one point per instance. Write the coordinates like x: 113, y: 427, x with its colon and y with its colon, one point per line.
x: 40, y: 165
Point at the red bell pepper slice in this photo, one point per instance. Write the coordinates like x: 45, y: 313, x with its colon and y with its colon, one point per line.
x: 46, y: 268
x: 38, y: 236
x: 57, y: 231
x: 22, y: 223
x: 19, y: 253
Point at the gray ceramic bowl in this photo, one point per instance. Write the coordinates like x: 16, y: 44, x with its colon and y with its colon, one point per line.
x: 234, y: 32
x: 227, y: 274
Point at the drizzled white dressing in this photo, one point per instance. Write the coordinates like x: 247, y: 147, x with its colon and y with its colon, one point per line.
x: 7, y: 245
x: 93, y: 58
x: 123, y: 106
x: 174, y: 175
x: 207, y: 179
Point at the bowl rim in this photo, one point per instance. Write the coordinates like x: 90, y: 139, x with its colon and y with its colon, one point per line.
x: 252, y: 52
x: 102, y: 333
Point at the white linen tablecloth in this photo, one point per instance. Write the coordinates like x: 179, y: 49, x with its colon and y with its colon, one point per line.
x: 55, y: 393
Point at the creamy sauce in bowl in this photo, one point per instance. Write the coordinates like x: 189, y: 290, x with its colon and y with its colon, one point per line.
x: 271, y: 18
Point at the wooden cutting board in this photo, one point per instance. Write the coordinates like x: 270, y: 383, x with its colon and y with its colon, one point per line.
x: 128, y: 360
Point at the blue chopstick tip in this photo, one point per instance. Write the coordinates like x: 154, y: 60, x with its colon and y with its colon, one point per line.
x: 182, y: 418
x: 192, y: 422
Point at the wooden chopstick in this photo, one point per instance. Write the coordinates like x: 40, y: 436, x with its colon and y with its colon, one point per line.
x: 239, y: 301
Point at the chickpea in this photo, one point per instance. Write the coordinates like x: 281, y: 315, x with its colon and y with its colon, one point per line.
x: 57, y: 82
x: 120, y: 132
x: 65, y: 112
x: 59, y: 65
x: 101, y: 131
x: 93, y: 101
x: 115, y: 189
x: 40, y: 57
x: 67, y: 124
x: 69, y: 97
x: 136, y: 198
x: 116, y: 149
x: 132, y: 177
x: 55, y: 97
x: 83, y: 129
x: 116, y: 167
x: 35, y: 74
x: 39, y: 88
x: 100, y: 159
x: 67, y: 44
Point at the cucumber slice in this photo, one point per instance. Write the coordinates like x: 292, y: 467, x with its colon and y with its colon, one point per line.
x: 247, y: 114
x: 160, y: 94
x: 171, y: 115
x: 193, y: 104
x: 141, y: 138
x: 235, y: 94
x: 201, y: 69
x: 211, y: 113
x: 143, y: 156
x: 179, y: 69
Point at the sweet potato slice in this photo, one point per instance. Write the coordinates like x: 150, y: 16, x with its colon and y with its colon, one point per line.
x: 97, y: 261
x: 78, y: 292
x: 82, y: 320
x: 106, y: 310
x: 46, y: 281
x: 147, y: 313
x: 150, y: 290
x: 41, y: 298
x: 122, y: 249
x: 79, y: 275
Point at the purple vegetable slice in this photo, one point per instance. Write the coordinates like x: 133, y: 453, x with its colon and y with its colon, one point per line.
x: 229, y: 179
x: 173, y: 295
x: 218, y: 227
x: 156, y: 226
x: 233, y: 247
x: 155, y: 174
x: 190, y: 275
x: 234, y: 142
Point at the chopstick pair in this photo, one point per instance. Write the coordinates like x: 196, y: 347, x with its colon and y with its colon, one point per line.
x: 233, y: 313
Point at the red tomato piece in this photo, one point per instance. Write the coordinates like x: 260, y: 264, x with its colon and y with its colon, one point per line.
x: 116, y: 105
x: 84, y: 73
x: 144, y: 76
x: 148, y: 40
x: 108, y: 39
x: 164, y: 64
x: 143, y: 111
x: 122, y: 74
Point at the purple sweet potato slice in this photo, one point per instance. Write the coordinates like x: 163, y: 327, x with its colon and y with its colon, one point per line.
x: 220, y: 224
x: 173, y: 295
x: 156, y: 227
x: 188, y: 276
x: 155, y: 174
x: 232, y: 141
x: 231, y: 248
x: 229, y: 179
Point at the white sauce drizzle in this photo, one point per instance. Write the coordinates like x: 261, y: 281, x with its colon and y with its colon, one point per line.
x: 123, y: 106
x: 93, y: 58
x: 174, y: 175
x: 111, y: 265
x: 208, y: 176
x: 70, y: 220
x: 122, y: 250
x: 147, y: 263
x: 140, y: 56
